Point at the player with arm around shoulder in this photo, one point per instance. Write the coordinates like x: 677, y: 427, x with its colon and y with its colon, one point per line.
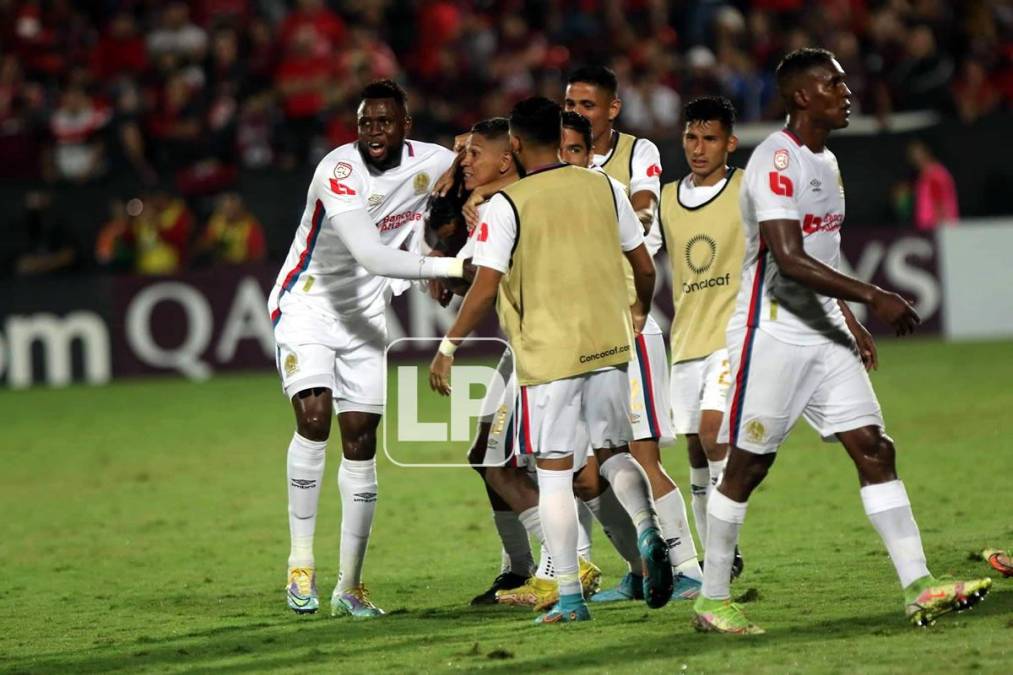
x: 364, y: 202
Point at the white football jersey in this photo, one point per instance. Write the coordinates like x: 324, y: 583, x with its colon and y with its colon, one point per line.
x: 319, y: 269
x: 786, y: 180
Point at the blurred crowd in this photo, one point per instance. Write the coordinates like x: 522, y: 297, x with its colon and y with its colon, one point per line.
x: 180, y: 96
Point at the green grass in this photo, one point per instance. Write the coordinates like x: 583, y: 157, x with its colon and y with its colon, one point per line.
x: 144, y: 528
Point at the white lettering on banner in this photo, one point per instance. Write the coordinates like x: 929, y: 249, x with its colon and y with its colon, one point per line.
x: 907, y: 277
x: 57, y: 336
x: 409, y: 428
x: 247, y: 320
x: 462, y: 406
x: 902, y: 275
x: 186, y: 357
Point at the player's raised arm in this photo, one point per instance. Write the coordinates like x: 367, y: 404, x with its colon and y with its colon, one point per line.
x: 645, y: 181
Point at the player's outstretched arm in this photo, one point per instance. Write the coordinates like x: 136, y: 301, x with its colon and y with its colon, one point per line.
x: 476, y: 304
x: 784, y: 239
x: 359, y: 235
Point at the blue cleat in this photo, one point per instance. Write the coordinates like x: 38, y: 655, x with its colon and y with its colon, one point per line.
x: 301, y: 590
x: 566, y: 612
x: 631, y: 587
x: 354, y: 602
x: 658, y: 581
x: 685, y: 588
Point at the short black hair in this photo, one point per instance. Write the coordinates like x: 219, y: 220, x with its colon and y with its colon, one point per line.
x: 580, y: 124
x: 602, y: 77
x: 797, y: 63
x: 444, y: 209
x: 385, y: 89
x: 493, y: 128
x: 536, y: 120
x: 710, y: 108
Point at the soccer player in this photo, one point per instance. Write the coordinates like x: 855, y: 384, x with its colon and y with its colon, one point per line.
x: 327, y: 307
x: 591, y: 91
x: 703, y: 232
x: 571, y: 336
x: 796, y: 350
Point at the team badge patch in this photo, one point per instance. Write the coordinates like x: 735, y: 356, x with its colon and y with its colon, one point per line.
x: 291, y: 364
x: 421, y: 183
x: 342, y: 170
x: 755, y: 431
x: 781, y: 159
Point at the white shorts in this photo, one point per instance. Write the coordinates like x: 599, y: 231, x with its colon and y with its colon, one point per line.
x: 344, y: 355
x: 551, y: 415
x: 498, y: 410
x: 698, y: 384
x: 776, y: 383
x: 650, y: 413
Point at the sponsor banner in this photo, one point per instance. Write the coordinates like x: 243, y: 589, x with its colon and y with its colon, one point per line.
x: 978, y: 279
x: 92, y: 329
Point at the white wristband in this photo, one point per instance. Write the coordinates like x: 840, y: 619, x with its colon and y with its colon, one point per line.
x: 447, y: 348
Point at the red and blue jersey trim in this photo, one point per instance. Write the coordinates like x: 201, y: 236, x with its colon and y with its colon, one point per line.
x: 526, y: 446
x: 752, y: 322
x: 304, y: 258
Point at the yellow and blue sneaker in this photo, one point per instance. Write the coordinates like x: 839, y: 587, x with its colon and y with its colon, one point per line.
x: 929, y: 598
x: 301, y: 590
x: 569, y: 609
x: 722, y: 616
x: 630, y: 587
x: 658, y: 581
x: 354, y: 602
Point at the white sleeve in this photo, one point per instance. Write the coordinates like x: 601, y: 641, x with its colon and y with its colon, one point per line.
x: 339, y: 186
x: 468, y: 250
x: 495, y: 235
x: 772, y: 181
x: 631, y: 232
x: 645, y: 173
x: 359, y: 235
x: 653, y: 239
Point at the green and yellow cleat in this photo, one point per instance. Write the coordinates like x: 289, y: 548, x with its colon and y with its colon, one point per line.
x: 722, y: 616
x: 928, y: 598
x: 301, y: 590
x: 354, y: 602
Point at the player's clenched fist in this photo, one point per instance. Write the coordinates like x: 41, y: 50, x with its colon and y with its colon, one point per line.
x: 895, y: 310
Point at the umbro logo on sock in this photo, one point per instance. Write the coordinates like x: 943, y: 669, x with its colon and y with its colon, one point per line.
x: 673, y: 542
x: 698, y: 490
x: 365, y: 497
x: 304, y: 484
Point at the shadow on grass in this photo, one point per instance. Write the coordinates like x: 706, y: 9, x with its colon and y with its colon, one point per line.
x: 279, y: 641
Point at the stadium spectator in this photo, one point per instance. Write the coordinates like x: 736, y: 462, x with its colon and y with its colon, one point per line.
x: 177, y: 36
x: 120, y: 49
x: 44, y: 244
x: 161, y: 230
x: 76, y: 127
x: 974, y: 96
x: 935, y: 193
x: 303, y: 80
x: 233, y: 235
x: 114, y: 245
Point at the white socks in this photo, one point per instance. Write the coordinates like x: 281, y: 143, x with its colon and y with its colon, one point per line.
x: 617, y: 526
x: 724, y: 519
x: 715, y: 469
x: 533, y: 526
x: 700, y: 486
x: 305, y: 471
x: 516, y: 548
x: 585, y: 519
x: 558, y: 514
x: 632, y: 489
x: 675, y: 529
x: 889, y: 509
x: 357, y: 484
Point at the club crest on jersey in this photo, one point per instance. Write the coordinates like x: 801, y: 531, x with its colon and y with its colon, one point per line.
x: 755, y: 431
x: 421, y: 183
x: 291, y: 364
x: 342, y: 170
x: 781, y: 159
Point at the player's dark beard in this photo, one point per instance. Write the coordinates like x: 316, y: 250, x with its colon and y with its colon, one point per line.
x: 391, y: 160
x: 520, y: 167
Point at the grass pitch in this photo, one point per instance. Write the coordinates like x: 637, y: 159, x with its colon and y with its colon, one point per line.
x: 144, y: 528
